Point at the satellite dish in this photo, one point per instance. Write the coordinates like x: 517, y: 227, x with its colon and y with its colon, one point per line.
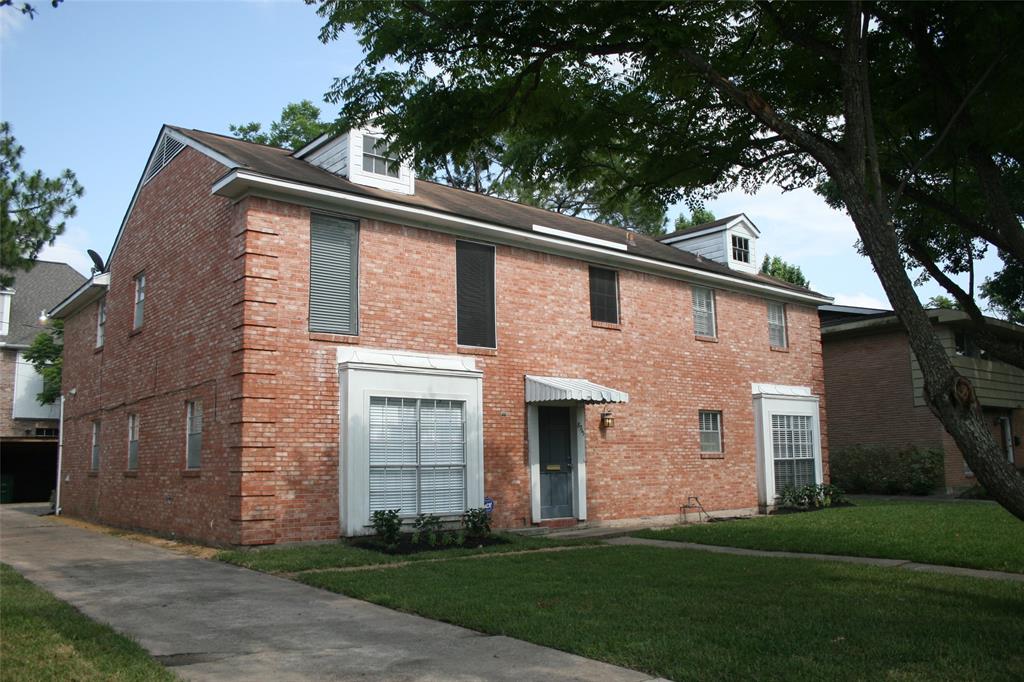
x: 97, y: 262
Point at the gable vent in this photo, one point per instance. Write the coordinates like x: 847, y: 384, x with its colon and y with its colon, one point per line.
x: 165, y: 151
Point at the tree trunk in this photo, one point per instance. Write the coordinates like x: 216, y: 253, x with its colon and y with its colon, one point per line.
x: 950, y: 396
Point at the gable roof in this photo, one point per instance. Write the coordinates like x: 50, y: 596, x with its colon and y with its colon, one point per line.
x: 35, y: 291
x: 709, y: 226
x: 282, y: 164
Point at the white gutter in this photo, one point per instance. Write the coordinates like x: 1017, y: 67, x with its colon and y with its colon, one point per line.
x: 238, y: 182
x: 89, y: 291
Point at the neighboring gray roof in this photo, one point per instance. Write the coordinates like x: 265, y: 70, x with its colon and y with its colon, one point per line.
x: 720, y: 222
x: 36, y: 290
x: 886, y: 319
x: 282, y: 164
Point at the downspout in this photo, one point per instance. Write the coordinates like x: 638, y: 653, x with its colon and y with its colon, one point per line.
x: 60, y: 452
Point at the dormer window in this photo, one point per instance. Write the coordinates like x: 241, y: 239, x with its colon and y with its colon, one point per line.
x: 377, y: 157
x: 740, y: 249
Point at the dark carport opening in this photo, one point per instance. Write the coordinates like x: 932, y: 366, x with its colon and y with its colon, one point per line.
x: 28, y: 471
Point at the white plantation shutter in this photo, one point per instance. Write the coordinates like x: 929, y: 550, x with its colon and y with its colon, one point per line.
x: 710, y: 431
x: 703, y: 311
x: 417, y: 456
x: 793, y: 450
x: 776, y: 324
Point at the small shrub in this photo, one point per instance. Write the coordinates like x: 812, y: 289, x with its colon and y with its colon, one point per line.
x: 477, y: 523
x: 431, y: 528
x: 886, y: 470
x: 812, y: 496
x: 388, y: 526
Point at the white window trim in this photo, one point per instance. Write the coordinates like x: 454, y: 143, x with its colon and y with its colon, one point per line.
x: 744, y: 246
x: 190, y: 413
x: 5, y: 311
x: 133, y: 437
x: 368, y: 151
x: 365, y: 373
x: 719, y: 432
x: 96, y: 446
x: 795, y: 400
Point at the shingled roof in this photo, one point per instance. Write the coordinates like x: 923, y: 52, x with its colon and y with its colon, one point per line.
x: 44, y: 286
x: 281, y: 164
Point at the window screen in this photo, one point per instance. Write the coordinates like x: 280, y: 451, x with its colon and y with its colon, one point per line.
x: 417, y: 456
x: 333, y: 275
x: 604, y: 295
x: 703, y: 312
x: 474, y: 265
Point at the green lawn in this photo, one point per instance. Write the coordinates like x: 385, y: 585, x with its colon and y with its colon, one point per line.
x: 689, y: 615
x: 342, y: 555
x: 971, y: 534
x: 42, y: 638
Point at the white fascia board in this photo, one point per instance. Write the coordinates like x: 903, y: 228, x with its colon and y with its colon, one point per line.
x: 91, y: 290
x: 698, y: 233
x: 184, y: 139
x: 239, y: 182
x: 572, y: 236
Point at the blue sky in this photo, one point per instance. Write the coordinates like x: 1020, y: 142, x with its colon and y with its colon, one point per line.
x: 88, y: 85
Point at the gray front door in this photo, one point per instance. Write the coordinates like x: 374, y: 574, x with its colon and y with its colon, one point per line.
x: 555, y: 426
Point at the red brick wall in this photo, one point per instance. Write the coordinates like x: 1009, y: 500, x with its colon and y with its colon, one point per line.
x: 957, y: 477
x: 183, y: 239
x: 648, y: 464
x: 227, y: 321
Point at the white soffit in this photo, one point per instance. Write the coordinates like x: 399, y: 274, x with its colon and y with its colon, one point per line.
x: 559, y: 389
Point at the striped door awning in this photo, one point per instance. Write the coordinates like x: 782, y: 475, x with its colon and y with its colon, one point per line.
x: 560, y: 389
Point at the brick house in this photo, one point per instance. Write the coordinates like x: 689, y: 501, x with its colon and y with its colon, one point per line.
x: 872, y: 378
x: 28, y: 430
x: 285, y: 341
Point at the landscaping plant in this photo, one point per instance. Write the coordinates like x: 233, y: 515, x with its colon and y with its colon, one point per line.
x: 388, y: 526
x: 477, y: 523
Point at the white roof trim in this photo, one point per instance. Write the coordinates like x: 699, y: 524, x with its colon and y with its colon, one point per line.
x: 91, y: 290
x: 580, y: 238
x: 369, y: 358
x: 711, y: 230
x: 559, y: 389
x: 313, y: 145
x: 237, y: 182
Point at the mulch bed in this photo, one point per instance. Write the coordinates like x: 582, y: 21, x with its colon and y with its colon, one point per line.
x: 406, y: 546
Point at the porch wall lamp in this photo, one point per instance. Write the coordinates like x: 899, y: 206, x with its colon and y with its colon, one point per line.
x: 607, y: 420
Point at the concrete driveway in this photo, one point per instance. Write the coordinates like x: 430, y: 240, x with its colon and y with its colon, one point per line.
x: 212, y: 621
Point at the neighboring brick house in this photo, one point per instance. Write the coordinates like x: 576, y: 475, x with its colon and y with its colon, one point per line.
x: 28, y: 430
x: 285, y: 341
x: 875, y: 390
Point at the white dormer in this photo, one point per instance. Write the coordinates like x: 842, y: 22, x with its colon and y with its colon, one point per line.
x: 362, y: 157
x: 730, y: 241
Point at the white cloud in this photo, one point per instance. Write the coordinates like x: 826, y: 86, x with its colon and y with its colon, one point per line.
x: 70, y: 248
x: 12, y: 20
x: 861, y: 300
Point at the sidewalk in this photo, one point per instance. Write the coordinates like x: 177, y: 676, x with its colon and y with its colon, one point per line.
x: 211, y: 621
x: 869, y: 561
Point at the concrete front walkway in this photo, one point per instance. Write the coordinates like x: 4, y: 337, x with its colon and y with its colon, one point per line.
x: 869, y: 561
x: 211, y: 621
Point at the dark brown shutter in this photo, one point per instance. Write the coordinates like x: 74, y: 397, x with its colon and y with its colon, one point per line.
x: 474, y: 265
x: 604, y: 295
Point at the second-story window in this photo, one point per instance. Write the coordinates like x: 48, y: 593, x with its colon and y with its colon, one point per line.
x: 140, y: 300
x: 740, y: 249
x: 378, y: 158
x: 333, y: 275
x: 704, y: 312
x: 101, y: 322
x: 95, y: 463
x: 194, y: 444
x: 133, y: 442
x: 474, y: 283
x: 604, y: 295
x: 777, y: 324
